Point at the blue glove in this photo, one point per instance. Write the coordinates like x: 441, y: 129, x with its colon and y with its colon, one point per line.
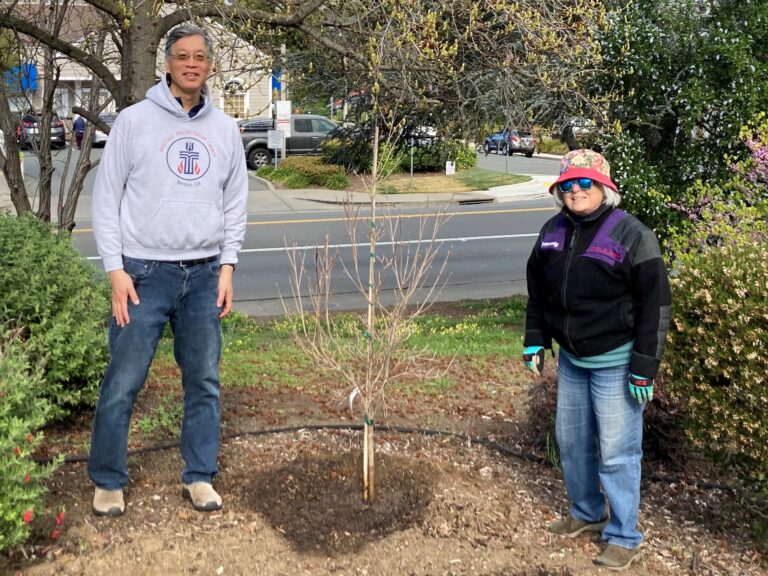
x: 641, y: 388
x: 533, y: 356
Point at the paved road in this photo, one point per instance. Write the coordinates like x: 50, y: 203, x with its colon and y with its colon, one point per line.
x: 488, y: 243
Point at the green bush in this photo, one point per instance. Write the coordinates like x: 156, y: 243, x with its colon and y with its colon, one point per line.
x: 716, y: 360
x: 265, y: 171
x: 53, y: 296
x: 350, y: 148
x: 304, y: 171
x: 546, y: 145
x: 23, y: 411
x: 644, y: 194
x: 296, y: 180
x: 337, y: 182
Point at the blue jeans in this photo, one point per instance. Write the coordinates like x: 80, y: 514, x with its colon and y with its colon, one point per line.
x: 185, y: 297
x: 600, y: 435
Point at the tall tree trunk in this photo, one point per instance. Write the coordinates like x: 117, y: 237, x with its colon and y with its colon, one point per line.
x: 139, y: 56
x: 51, y: 72
x: 10, y: 160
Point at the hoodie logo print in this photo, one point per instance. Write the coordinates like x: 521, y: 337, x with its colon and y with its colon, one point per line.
x: 188, y: 158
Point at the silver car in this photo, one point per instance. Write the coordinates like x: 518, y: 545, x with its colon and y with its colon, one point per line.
x: 29, y: 134
x: 99, y: 137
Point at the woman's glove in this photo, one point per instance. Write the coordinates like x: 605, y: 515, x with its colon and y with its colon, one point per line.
x: 641, y: 388
x: 533, y: 356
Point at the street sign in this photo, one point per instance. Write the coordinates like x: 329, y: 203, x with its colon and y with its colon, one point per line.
x: 275, y: 139
x: 283, y: 117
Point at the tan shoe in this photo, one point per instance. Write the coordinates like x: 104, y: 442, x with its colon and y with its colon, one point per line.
x: 617, y: 558
x: 572, y: 527
x: 108, y: 502
x: 202, y: 495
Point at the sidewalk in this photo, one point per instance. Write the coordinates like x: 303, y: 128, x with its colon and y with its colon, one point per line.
x: 5, y: 196
x: 267, y: 199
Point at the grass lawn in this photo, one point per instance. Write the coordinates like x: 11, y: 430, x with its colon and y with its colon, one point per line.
x: 463, y: 181
x: 259, y: 357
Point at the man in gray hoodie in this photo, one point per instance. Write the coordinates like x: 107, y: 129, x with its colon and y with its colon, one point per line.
x: 169, y: 217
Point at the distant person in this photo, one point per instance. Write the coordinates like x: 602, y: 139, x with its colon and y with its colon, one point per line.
x: 169, y: 217
x: 79, y: 128
x: 598, y: 286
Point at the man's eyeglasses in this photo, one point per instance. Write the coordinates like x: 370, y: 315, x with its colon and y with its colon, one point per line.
x: 567, y: 186
x: 197, y: 57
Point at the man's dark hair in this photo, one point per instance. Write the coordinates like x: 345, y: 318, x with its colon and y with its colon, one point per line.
x: 182, y: 32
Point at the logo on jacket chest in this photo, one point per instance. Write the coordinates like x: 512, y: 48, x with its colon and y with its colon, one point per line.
x: 188, y: 158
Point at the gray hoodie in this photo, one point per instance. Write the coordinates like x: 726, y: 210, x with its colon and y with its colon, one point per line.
x: 170, y: 187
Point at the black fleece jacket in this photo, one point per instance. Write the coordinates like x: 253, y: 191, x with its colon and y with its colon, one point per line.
x: 597, y: 283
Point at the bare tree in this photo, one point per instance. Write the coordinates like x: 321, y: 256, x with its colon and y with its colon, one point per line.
x: 368, y: 352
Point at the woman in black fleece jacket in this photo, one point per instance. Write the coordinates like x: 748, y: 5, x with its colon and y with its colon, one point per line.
x: 598, y: 286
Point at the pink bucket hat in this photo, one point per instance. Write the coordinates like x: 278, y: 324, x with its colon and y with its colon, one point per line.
x: 584, y: 164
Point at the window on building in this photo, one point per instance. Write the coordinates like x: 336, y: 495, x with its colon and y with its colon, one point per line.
x: 234, y: 98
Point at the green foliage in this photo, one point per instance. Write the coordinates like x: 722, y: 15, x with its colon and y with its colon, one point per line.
x: 60, y: 307
x: 551, y: 146
x: 351, y: 148
x: 432, y: 156
x: 683, y: 83
x: 23, y: 411
x: 165, y: 419
x: 337, y: 182
x: 305, y: 171
x: 296, y: 180
x: 265, y: 171
x: 644, y: 190
x: 716, y: 359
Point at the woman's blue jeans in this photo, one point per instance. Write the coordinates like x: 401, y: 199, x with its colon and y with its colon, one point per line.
x: 600, y: 436
x: 185, y: 297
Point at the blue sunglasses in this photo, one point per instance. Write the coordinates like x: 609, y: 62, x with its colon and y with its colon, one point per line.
x: 567, y: 186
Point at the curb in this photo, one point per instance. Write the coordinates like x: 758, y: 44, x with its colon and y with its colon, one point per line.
x: 261, y: 180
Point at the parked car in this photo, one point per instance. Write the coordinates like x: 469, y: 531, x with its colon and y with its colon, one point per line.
x: 496, y: 142
x: 28, y: 132
x: 308, y: 131
x: 522, y: 142
x: 509, y: 141
x: 100, y: 138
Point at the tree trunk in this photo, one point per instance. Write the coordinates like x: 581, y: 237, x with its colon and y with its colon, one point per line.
x: 9, y: 162
x: 139, y: 57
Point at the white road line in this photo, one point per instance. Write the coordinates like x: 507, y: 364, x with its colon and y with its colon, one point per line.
x: 363, y: 244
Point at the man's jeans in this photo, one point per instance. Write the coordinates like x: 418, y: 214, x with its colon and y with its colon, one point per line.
x: 600, y: 435
x: 185, y: 297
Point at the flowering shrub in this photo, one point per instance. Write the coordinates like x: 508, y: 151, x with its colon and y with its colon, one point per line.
x: 716, y: 360
x: 644, y: 193
x: 23, y: 412
x: 54, y: 298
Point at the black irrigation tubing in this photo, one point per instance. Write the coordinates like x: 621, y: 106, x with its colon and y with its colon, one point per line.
x: 491, y: 444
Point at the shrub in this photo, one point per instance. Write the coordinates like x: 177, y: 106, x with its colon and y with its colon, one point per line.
x: 350, y: 148
x: 60, y: 307
x: 716, y: 360
x: 296, y: 180
x: 337, y: 182
x: 23, y: 411
x: 265, y: 171
x: 304, y: 171
x: 643, y: 192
